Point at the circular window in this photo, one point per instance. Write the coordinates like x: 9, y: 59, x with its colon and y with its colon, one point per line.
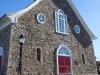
x: 77, y: 29
x: 41, y: 18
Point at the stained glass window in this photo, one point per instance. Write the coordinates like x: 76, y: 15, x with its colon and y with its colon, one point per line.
x: 63, y: 51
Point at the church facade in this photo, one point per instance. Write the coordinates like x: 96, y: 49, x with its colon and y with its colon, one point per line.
x: 49, y: 37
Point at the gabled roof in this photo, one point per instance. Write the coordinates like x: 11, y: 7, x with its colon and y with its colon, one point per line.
x: 13, y: 16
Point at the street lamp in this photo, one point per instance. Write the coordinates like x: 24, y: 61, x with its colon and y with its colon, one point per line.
x: 21, y: 42
x: 21, y: 39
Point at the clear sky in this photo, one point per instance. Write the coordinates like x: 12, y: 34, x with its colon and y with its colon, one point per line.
x: 7, y: 6
x: 89, y: 10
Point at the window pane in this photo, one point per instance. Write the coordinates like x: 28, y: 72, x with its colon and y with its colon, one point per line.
x: 61, y: 25
x: 57, y: 24
x: 61, y: 16
x: 63, y: 51
x: 66, y: 24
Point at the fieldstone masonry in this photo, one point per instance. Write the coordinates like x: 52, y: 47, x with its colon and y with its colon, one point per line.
x: 44, y: 37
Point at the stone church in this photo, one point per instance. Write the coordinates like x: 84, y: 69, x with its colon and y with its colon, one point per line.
x: 49, y: 37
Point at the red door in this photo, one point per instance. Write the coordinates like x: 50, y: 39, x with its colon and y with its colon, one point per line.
x: 64, y: 64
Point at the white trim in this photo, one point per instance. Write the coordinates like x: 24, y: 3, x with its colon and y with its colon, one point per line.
x: 63, y: 45
x: 70, y: 55
x: 57, y: 18
x: 81, y: 20
x: 40, y: 14
x: 77, y: 26
x: 62, y: 55
x: 61, y: 11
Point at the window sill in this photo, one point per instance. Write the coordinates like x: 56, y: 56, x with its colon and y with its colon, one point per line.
x: 62, y: 33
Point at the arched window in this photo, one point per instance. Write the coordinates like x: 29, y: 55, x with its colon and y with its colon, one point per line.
x: 61, y: 22
x: 38, y: 54
x: 84, y: 58
x: 1, y: 56
x: 64, y: 61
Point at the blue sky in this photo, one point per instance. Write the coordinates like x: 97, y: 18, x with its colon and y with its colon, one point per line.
x: 7, y: 6
x: 89, y: 10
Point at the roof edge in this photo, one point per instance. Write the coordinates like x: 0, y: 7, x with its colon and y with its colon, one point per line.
x: 4, y: 22
x: 14, y: 15
x: 93, y: 37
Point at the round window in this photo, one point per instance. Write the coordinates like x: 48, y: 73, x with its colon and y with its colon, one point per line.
x: 77, y: 29
x: 41, y: 18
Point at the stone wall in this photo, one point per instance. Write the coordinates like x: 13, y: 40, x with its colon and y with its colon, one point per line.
x: 44, y: 37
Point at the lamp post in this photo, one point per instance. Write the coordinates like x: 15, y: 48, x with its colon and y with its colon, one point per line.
x: 21, y: 42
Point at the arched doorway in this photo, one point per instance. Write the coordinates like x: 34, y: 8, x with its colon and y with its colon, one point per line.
x: 64, y: 60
